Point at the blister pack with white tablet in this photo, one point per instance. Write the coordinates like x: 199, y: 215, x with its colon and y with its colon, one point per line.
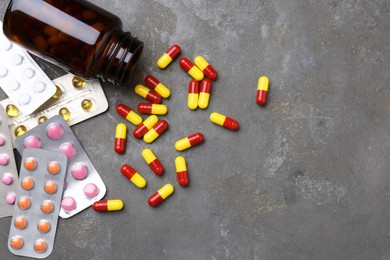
x: 21, y: 78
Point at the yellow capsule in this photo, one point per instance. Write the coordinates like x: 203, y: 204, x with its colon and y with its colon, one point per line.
x: 20, y: 130
x: 169, y: 56
x: 86, y: 104
x: 183, y: 144
x: 65, y: 113
x: 141, y: 91
x: 58, y: 93
x: 189, y: 141
x: 148, y: 155
x: 180, y: 163
x: 12, y: 110
x: 108, y: 205
x: 217, y: 118
x: 166, y: 191
x: 193, y: 94
x: 164, y: 61
x: 196, y: 74
x: 129, y: 114
x: 204, y: 94
x: 263, y: 83
x: 78, y: 82
x: 133, y: 176
x: 157, y: 86
x: 42, y: 119
x: 154, y: 109
x: 121, y: 130
x: 224, y: 121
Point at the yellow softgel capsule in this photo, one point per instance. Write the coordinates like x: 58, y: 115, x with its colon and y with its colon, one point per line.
x: 42, y: 119
x: 78, y: 82
x: 65, y: 113
x: 12, y: 110
x: 58, y: 93
x: 86, y: 104
x: 20, y: 130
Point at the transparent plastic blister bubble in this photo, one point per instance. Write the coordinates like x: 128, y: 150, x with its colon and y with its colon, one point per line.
x: 75, y: 100
x: 8, y: 171
x: 21, y: 78
x: 83, y: 183
x: 37, y: 205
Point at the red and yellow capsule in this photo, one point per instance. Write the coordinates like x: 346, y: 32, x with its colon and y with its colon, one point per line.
x: 204, y: 95
x: 262, y: 90
x: 172, y: 53
x: 120, y: 138
x: 191, y: 69
x: 206, y: 68
x: 128, y: 114
x: 157, y: 130
x: 133, y: 176
x: 146, y: 125
x: 152, y: 109
x: 161, y: 195
x: 181, y: 171
x: 153, y: 162
x: 193, y: 94
x: 108, y: 205
x: 224, y: 121
x: 148, y: 94
x: 189, y: 141
x: 157, y: 86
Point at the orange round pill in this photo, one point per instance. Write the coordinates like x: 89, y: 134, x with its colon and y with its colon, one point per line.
x: 50, y: 187
x: 43, y: 226
x: 40, y: 246
x: 21, y: 222
x: 53, y: 167
x: 30, y: 164
x: 17, y: 242
x: 47, y: 207
x: 27, y: 183
x: 24, y: 202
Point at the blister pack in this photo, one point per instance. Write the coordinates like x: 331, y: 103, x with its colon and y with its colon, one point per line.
x: 21, y: 78
x: 83, y: 183
x: 75, y: 100
x: 34, y: 223
x: 8, y: 171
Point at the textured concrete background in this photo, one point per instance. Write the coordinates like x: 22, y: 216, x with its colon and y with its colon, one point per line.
x: 306, y: 177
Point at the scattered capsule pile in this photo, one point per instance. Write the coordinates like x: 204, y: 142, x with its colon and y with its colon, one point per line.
x: 199, y: 94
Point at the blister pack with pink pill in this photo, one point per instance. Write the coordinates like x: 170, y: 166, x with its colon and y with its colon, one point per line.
x: 83, y: 184
x: 38, y: 200
x: 8, y: 171
x: 76, y: 100
x: 21, y: 78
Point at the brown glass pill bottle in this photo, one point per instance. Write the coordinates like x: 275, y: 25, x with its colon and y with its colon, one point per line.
x: 75, y: 35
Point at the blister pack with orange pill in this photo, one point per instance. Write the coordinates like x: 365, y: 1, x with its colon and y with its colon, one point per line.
x: 38, y: 202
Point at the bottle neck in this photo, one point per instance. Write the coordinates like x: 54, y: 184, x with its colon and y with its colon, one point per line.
x: 120, y: 58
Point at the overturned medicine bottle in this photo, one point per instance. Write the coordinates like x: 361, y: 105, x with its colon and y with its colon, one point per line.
x: 75, y: 35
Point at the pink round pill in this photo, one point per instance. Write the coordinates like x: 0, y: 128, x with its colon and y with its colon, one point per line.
x: 10, y: 198
x: 68, y: 204
x: 4, y: 159
x: 32, y: 142
x: 7, y: 178
x: 91, y: 190
x: 68, y: 149
x: 2, y: 140
x: 54, y: 131
x: 79, y: 171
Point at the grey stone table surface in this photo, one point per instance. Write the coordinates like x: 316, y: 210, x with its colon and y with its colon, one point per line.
x: 306, y: 177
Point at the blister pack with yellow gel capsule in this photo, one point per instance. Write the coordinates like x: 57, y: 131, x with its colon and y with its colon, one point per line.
x: 21, y: 78
x: 83, y: 183
x: 38, y: 200
x: 75, y: 100
x: 8, y: 172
